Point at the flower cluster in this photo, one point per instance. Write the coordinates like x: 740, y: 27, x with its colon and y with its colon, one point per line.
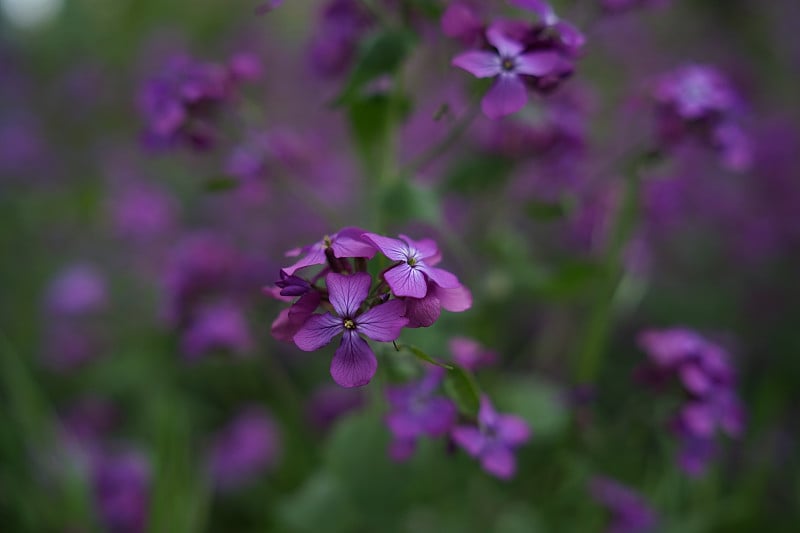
x: 180, y: 104
x: 707, y: 379
x: 518, y: 55
x: 698, y: 100
x: 630, y: 513
x: 409, y: 293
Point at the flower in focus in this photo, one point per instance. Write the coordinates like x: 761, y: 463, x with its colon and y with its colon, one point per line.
x: 415, y: 410
x: 246, y: 447
x: 354, y: 363
x: 494, y: 440
x: 345, y: 243
x: 630, y: 513
x: 507, y: 63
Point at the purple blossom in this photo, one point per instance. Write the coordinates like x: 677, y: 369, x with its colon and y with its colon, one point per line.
x: 469, y: 354
x: 341, y: 25
x: 568, y: 35
x: 507, y: 63
x: 80, y: 289
x: 354, y: 363
x: 289, y: 321
x: 121, y: 484
x: 494, y: 440
x: 414, y: 268
x: 329, y: 403
x: 423, y: 312
x: 246, y: 447
x: 630, y: 513
x: 142, y: 211
x: 461, y: 21
x: 218, y: 326
x: 415, y: 410
x: 345, y: 243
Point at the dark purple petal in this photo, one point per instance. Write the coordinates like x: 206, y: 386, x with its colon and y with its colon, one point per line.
x: 506, y: 46
x: 290, y: 320
x: 423, y: 312
x: 537, y: 63
x: 506, y: 96
x: 487, y: 415
x: 694, y: 379
x: 698, y: 419
x: 405, y: 280
x: 479, y: 64
x: 353, y: 364
x: 394, y: 249
x: 570, y: 36
x: 469, y: 354
x: 499, y: 461
x: 318, y: 331
x: 438, y: 417
x: 347, y: 293
x: 383, y: 322
x: 470, y: 438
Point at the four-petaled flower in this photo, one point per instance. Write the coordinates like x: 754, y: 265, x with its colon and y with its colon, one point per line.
x: 354, y: 363
x: 345, y: 243
x: 508, y: 64
x: 494, y: 440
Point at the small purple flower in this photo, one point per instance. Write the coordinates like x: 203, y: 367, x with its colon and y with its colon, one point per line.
x: 345, y: 243
x: 423, y: 312
x: 508, y: 63
x: 470, y: 354
x: 218, y: 326
x: 121, y: 484
x: 630, y: 513
x: 354, y: 363
x: 142, y: 211
x: 245, y: 448
x: 78, y: 290
x: 341, y: 25
x: 415, y: 410
x: 568, y: 35
x: 292, y: 285
x: 494, y: 440
x: 410, y: 276
x: 460, y: 21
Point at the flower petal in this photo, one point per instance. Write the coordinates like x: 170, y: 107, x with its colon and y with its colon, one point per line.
x: 348, y: 243
x: 403, y: 424
x: 499, y: 461
x: 513, y: 430
x: 425, y: 247
x: 438, y: 417
x: 479, y: 64
x: 316, y: 256
x: 455, y: 300
x: 353, y: 364
x: 347, y: 293
x: 405, y: 280
x: 440, y: 277
x: 487, y: 414
x: 423, y: 312
x: 402, y: 449
x: 318, y: 331
x: 470, y: 438
x: 506, y: 46
x: 394, y: 249
x: 383, y: 322
x: 505, y: 97
x: 537, y: 63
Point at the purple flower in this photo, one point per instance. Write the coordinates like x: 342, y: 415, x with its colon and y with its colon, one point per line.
x: 142, y: 211
x: 121, y: 484
x: 630, y: 513
x: 341, y: 25
x: 414, y: 410
x: 78, y: 290
x: 494, y: 440
x: 354, y: 363
x: 245, y: 448
x: 470, y: 354
x: 345, y: 243
x: 218, y: 326
x: 508, y: 63
x: 289, y: 321
x: 330, y: 402
x: 568, y: 35
x: 460, y: 21
x: 410, y: 276
x: 423, y: 312
x: 292, y: 285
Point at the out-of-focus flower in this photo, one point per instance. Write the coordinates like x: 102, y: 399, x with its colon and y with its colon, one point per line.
x: 121, y: 486
x: 568, y: 35
x: 354, y: 363
x: 507, y: 63
x: 80, y: 289
x: 330, y: 402
x: 494, y: 440
x: 469, y: 354
x: 415, y: 410
x: 341, y: 25
x: 244, y: 449
x: 707, y: 378
x: 142, y: 211
x: 461, y: 21
x: 630, y: 513
x: 218, y: 326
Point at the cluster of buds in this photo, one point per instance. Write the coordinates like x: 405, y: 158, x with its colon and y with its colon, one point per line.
x: 708, y: 381
x: 519, y: 55
x: 409, y: 293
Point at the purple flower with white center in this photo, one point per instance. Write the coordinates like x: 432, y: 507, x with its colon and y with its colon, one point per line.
x: 246, y: 447
x: 469, y: 354
x: 415, y: 410
x: 345, y: 243
x: 121, y: 484
x: 494, y: 440
x: 508, y: 63
x: 415, y: 260
x: 354, y: 363
x: 630, y: 512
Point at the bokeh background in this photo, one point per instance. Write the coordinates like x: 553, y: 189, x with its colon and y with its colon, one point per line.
x: 140, y: 388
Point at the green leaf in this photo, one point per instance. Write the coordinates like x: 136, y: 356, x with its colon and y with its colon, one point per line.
x: 478, y: 174
x: 321, y: 504
x: 406, y: 200
x: 382, y: 55
x: 462, y: 387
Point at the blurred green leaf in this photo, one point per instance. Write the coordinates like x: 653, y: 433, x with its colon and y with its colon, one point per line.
x: 547, y: 211
x: 221, y: 184
x: 321, y: 504
x: 462, y: 387
x: 536, y: 400
x: 419, y: 353
x: 478, y: 173
x: 406, y: 200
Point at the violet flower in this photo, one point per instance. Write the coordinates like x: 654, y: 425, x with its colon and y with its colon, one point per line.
x: 494, y: 440
x: 568, y: 35
x: 415, y: 410
x: 507, y: 63
x: 630, y: 513
x: 354, y: 363
x: 80, y: 289
x: 121, y: 484
x: 345, y: 243
x: 469, y: 354
x: 246, y: 447
x: 218, y: 326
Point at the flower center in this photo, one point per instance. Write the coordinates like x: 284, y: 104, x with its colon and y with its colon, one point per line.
x: 349, y: 324
x: 326, y: 241
x: 411, y: 260
x: 508, y: 64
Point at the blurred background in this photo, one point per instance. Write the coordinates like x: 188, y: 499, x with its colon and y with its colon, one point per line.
x: 140, y: 387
